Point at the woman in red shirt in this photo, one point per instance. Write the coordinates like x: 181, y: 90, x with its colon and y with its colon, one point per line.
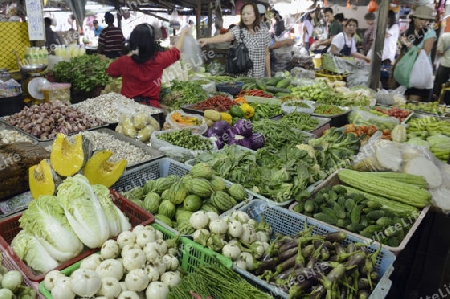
x: 142, y: 69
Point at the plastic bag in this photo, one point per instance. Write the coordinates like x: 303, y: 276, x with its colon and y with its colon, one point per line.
x: 174, y: 22
x: 171, y: 124
x: 358, y: 78
x: 422, y: 73
x: 365, y: 118
x: 173, y: 151
x: 287, y: 107
x: 208, y: 86
x: 137, y: 125
x: 385, y: 155
x: 403, y: 67
x: 302, y: 73
x: 191, y: 53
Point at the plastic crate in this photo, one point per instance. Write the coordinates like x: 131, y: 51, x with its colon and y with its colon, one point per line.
x: 9, y: 263
x: 137, y: 177
x: 9, y: 228
x: 334, y: 180
x: 191, y: 257
x: 284, y: 222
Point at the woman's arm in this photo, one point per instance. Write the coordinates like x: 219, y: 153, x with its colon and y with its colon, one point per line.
x: 267, y: 61
x: 361, y: 56
x: 428, y: 45
x: 334, y: 49
x: 227, y: 37
x: 180, y: 42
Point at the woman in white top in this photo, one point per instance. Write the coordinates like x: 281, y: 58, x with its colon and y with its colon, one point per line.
x: 344, y: 43
x: 390, y: 40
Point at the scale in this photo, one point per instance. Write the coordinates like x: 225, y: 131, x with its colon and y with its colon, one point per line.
x: 32, y: 81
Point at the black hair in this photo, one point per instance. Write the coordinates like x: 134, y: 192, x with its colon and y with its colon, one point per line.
x: 47, y: 21
x: 257, y: 21
x: 339, y: 17
x: 143, y: 39
x: 231, y: 26
x: 392, y: 19
x: 279, y: 27
x: 109, y: 18
x: 411, y: 33
x: 190, y: 22
x: 354, y: 21
x: 327, y: 9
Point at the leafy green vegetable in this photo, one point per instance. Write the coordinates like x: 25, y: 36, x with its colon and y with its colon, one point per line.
x: 45, y: 219
x: 29, y: 249
x: 279, y: 177
x: 84, y: 211
x: 182, y: 93
x: 278, y: 133
x: 85, y: 73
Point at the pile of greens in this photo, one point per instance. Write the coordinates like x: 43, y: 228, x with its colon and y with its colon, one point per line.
x: 278, y: 134
x: 85, y: 73
x: 335, y: 149
x: 279, y: 177
x: 182, y: 93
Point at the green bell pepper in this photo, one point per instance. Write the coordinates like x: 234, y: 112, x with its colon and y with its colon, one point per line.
x: 236, y: 112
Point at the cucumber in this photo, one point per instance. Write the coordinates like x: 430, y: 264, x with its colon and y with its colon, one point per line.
x: 339, y: 189
x: 339, y: 211
x: 309, y: 206
x: 374, y: 205
x: 349, y: 204
x: 277, y: 90
x: 393, y: 242
x: 355, y: 215
x: 355, y: 228
x: 373, y: 229
x: 325, y: 218
x: 299, y: 207
x: 375, y: 215
x: 273, y: 81
x: 384, y: 221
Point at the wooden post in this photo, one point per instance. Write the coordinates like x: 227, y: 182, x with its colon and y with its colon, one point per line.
x: 197, y: 18
x: 210, y: 7
x: 378, y: 45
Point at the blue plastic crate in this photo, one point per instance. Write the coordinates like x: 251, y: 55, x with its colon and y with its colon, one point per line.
x: 288, y: 223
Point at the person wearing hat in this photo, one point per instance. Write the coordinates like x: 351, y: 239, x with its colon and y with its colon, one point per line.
x: 369, y: 34
x: 262, y: 12
x: 97, y: 28
x: 110, y: 41
x: 421, y: 35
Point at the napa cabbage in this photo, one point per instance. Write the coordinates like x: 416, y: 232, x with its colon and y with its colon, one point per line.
x: 29, y: 249
x: 117, y: 221
x: 45, y: 219
x: 83, y: 211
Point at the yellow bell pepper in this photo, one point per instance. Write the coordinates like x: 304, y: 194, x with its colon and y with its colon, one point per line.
x: 226, y: 117
x: 248, y: 110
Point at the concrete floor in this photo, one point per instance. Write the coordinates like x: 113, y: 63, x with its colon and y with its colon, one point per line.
x: 423, y: 268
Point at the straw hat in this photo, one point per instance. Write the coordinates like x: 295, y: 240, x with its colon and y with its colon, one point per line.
x: 424, y: 12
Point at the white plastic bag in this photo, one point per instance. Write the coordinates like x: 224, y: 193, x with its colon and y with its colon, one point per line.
x: 173, y: 151
x: 422, y: 73
x: 170, y: 124
x: 191, y: 53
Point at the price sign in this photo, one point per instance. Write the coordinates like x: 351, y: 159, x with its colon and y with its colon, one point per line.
x: 36, y: 28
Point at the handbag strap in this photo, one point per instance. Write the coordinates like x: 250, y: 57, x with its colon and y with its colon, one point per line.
x: 242, y: 35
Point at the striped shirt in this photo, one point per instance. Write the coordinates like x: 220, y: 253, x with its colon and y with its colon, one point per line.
x: 111, y: 39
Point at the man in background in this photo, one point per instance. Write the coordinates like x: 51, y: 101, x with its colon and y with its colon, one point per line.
x: 110, y: 41
x: 51, y: 38
x: 333, y: 29
x: 97, y: 28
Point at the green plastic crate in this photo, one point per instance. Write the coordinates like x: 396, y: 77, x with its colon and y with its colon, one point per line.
x: 192, y: 256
